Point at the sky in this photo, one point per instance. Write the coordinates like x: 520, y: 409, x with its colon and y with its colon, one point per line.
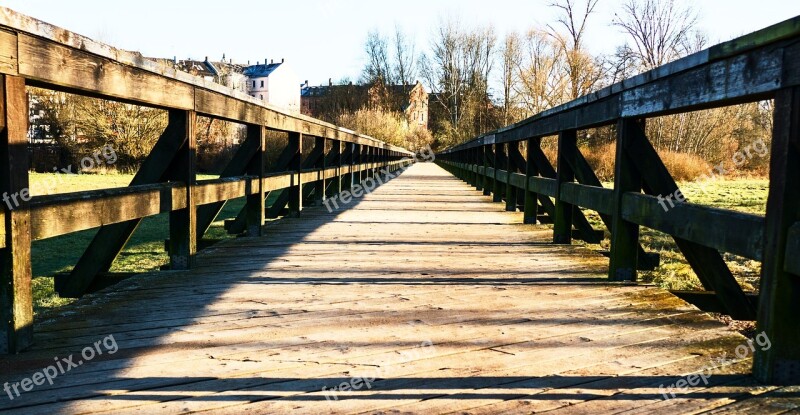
x: 325, y: 39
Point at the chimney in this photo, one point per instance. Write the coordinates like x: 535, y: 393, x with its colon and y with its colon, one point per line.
x: 330, y: 82
x: 270, y: 61
x: 281, y: 60
x: 206, y: 58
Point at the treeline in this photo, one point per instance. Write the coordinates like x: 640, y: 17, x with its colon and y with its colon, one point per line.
x: 480, y: 81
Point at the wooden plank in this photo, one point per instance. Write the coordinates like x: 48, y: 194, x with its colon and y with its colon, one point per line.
x: 65, y: 213
x: 595, y: 198
x: 780, y: 290
x: 708, y: 300
x: 8, y: 53
x: 724, y: 230
x: 76, y: 70
x: 16, y: 307
x: 544, y: 186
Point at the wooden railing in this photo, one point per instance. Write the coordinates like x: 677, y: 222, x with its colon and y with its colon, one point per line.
x: 762, y: 65
x: 34, y: 53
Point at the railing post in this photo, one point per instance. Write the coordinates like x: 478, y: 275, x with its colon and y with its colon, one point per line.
x: 511, y: 167
x: 336, y: 160
x: 183, y: 222
x: 256, y: 202
x: 319, y: 185
x: 624, y: 234
x: 498, y: 191
x: 16, y: 304
x: 295, y: 145
x: 488, y: 181
x: 531, y: 199
x: 562, y: 222
x: 779, y: 299
x: 477, y: 160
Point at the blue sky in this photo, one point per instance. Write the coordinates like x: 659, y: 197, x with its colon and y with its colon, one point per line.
x: 324, y: 39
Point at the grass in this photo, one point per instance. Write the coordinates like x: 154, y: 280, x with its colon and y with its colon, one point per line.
x: 743, y: 195
x: 144, y: 251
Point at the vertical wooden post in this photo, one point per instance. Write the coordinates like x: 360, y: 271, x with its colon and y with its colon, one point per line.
x: 336, y: 160
x: 295, y: 145
x: 498, y: 191
x: 477, y: 160
x: 562, y: 225
x: 624, y: 234
x: 511, y: 167
x: 779, y: 299
x: 183, y: 222
x: 319, y: 185
x: 16, y: 304
x: 488, y: 181
x: 256, y: 202
x: 531, y: 198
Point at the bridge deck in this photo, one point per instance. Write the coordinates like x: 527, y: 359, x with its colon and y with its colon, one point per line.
x: 449, y: 303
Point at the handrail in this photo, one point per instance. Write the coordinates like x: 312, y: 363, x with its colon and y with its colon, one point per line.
x: 758, y: 66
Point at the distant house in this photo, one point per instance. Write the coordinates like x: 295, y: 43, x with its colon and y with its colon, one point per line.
x: 274, y: 83
x: 319, y: 101
x: 223, y: 72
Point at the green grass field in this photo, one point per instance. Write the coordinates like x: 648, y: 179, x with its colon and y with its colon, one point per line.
x: 145, y: 251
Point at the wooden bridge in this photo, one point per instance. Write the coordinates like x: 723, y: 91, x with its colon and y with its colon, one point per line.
x: 422, y: 296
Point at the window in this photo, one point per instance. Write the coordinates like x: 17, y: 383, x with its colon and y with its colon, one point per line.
x: 262, y: 97
x: 262, y: 83
x: 254, y: 84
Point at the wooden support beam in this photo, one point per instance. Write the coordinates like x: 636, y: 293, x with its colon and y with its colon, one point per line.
x: 110, y: 239
x: 498, y: 192
x: 708, y: 301
x: 319, y: 185
x: 531, y: 198
x: 488, y: 162
x: 511, y: 167
x: 335, y: 159
x: 624, y: 234
x: 779, y: 305
x: 295, y: 191
x: 706, y: 262
x: 236, y: 167
x: 567, y: 147
x: 183, y: 222
x: 16, y: 302
x: 256, y: 202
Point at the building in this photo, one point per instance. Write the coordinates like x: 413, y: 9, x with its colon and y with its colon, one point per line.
x: 319, y: 101
x: 274, y: 83
x: 223, y: 72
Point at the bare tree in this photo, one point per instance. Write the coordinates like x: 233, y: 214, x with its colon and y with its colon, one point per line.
x: 377, y: 68
x: 404, y: 58
x: 583, y: 71
x: 510, y: 61
x: 660, y: 31
x: 543, y: 81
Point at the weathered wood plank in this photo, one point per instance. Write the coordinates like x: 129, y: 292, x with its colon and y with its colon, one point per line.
x: 724, y: 230
x: 792, y: 247
x: 16, y: 302
x: 595, y: 198
x: 8, y: 53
